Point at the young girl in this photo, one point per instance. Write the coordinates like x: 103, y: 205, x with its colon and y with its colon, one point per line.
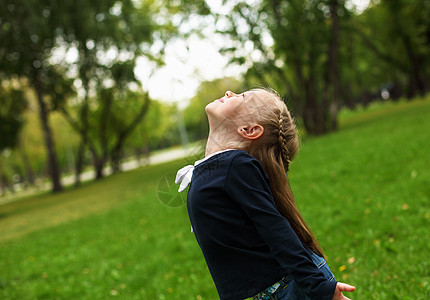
x: 242, y: 211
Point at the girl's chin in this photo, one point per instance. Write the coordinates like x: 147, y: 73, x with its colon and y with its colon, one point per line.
x: 210, y: 106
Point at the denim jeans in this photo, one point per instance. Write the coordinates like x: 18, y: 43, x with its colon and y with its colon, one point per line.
x: 292, y: 290
x: 289, y: 290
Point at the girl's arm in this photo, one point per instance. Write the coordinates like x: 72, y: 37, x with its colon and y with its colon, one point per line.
x: 247, y: 184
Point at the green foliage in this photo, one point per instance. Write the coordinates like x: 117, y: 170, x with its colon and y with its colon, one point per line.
x: 30, y: 32
x: 31, y: 138
x: 82, y: 52
x: 111, y: 104
x: 294, y: 47
x: 67, y: 143
x: 371, y: 185
x: 324, y: 54
x: 396, y: 33
x: 31, y: 147
x: 364, y: 190
x: 158, y: 130
x: 12, y: 106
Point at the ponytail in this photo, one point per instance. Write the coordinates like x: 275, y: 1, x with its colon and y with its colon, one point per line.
x: 284, y: 198
x: 275, y: 150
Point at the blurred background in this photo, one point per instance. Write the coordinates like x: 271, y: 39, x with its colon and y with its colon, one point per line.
x: 87, y: 84
x: 94, y: 88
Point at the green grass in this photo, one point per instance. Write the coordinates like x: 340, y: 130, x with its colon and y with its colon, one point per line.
x: 365, y: 191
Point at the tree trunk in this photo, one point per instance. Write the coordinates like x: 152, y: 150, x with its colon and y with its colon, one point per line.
x: 98, y: 162
x: 116, y: 158
x: 314, y: 110
x: 82, y: 130
x: 117, y: 149
x: 320, y: 110
x: 84, y: 137
x: 416, y: 83
x: 54, y: 171
x: 333, y: 69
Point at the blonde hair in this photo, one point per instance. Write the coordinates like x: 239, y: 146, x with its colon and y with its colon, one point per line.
x: 275, y: 150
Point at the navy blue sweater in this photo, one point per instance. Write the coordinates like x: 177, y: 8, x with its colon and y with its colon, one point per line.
x: 247, y: 244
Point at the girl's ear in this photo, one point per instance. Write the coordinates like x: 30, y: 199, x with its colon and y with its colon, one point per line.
x: 251, y: 132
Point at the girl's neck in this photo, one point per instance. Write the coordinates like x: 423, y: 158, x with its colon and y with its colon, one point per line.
x: 214, y: 144
x: 218, y: 141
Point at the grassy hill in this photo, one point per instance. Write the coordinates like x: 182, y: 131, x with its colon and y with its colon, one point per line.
x: 365, y: 191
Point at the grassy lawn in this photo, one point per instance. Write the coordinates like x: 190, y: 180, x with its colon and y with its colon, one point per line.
x: 365, y: 191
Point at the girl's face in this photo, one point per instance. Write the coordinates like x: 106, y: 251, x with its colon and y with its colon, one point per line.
x: 228, y: 107
x: 233, y: 117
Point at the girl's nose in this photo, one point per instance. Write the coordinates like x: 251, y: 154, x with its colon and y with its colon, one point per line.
x: 229, y: 94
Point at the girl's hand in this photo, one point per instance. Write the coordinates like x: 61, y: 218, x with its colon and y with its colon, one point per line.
x: 342, y: 287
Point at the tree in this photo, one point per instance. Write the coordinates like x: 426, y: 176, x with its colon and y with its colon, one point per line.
x: 90, y: 44
x: 12, y: 106
x: 115, y: 120
x: 119, y: 31
x: 27, y: 161
x: 108, y: 45
x: 397, y: 33
x: 296, y: 42
x: 157, y: 130
x: 29, y: 33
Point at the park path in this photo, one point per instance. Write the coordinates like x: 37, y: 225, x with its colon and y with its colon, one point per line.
x: 156, y: 158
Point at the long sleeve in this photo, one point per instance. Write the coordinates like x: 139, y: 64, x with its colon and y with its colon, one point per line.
x: 248, y: 185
